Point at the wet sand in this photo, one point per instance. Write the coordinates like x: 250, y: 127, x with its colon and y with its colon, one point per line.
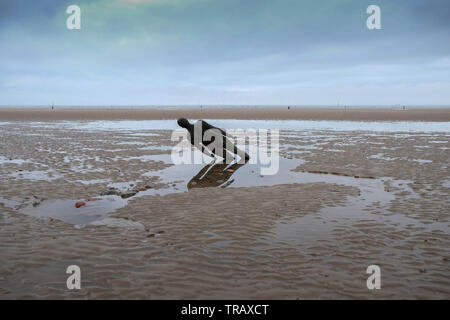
x: 353, y: 199
x: 257, y: 113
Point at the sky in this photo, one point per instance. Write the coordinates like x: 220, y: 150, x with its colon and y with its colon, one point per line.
x: 223, y: 52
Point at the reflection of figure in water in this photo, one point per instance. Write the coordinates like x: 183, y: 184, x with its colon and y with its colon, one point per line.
x: 214, y: 175
x: 199, y: 140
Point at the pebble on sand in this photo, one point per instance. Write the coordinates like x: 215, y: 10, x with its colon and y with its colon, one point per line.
x: 80, y: 204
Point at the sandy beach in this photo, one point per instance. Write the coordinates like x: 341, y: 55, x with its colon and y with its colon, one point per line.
x: 197, y: 150
x: 343, y: 200
x: 256, y: 113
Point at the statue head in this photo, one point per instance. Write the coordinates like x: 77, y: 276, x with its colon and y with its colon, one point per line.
x: 183, y: 122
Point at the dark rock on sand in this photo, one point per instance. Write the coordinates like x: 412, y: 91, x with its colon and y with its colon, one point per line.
x: 128, y: 194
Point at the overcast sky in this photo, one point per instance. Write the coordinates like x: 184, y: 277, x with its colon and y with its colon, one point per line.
x: 172, y: 52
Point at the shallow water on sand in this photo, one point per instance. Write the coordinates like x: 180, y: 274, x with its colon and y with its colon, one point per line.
x: 139, y: 125
x: 184, y: 177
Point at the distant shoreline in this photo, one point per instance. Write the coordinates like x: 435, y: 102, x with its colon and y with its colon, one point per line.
x: 441, y: 114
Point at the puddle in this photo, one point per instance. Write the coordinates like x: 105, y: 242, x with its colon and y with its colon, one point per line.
x: 334, y: 150
x: 65, y: 210
x: 131, y: 143
x: 339, y: 125
x: 315, y: 227
x: 164, y: 148
x: 421, y: 161
x: 4, y: 160
x: 144, y: 134
x: 311, y: 228
x: 381, y: 156
x: 184, y: 177
x: 296, y: 147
